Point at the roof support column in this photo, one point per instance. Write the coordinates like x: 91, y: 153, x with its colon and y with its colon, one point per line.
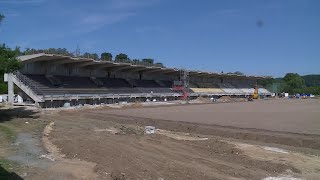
x: 10, y: 89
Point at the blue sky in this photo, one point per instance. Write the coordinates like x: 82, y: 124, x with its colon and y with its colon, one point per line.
x: 211, y: 35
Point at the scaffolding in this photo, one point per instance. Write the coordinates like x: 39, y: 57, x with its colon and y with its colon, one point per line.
x: 182, y: 85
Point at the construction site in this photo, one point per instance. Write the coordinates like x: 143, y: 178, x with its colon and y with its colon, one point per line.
x: 87, y: 119
x: 51, y: 81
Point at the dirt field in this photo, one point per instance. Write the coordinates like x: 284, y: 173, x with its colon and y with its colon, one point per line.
x: 250, y: 140
x: 296, y: 116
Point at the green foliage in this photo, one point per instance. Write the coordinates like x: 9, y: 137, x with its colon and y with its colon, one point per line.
x: 293, y: 84
x: 266, y: 82
x: 311, y: 90
x: 106, y: 56
x: 136, y: 61
x: 90, y: 56
x: 7, y: 132
x: 121, y: 58
x: 312, y: 80
x: 148, y: 60
x: 294, y: 81
x: 237, y: 73
x: 60, y: 51
x: 8, y: 63
x: 3, y: 86
x: 6, y: 168
x: 273, y: 85
x: 159, y: 65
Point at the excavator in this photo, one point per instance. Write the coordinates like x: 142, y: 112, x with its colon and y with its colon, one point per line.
x: 255, y: 94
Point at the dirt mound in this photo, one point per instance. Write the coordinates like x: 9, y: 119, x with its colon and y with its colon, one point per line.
x: 201, y: 100
x: 136, y: 105
x: 228, y: 98
x: 223, y: 99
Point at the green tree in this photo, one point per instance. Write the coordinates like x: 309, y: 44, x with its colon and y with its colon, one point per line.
x: 90, y: 56
x: 159, y: 65
x: 294, y: 83
x: 237, y: 73
x: 136, y: 61
x: 311, y: 90
x: 95, y: 56
x: 59, y: 51
x: 312, y: 80
x: 294, y: 80
x: 8, y: 63
x: 29, y: 51
x: 148, y: 61
x: 106, y: 56
x: 121, y: 58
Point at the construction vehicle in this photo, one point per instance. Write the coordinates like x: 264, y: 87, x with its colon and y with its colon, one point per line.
x: 255, y: 94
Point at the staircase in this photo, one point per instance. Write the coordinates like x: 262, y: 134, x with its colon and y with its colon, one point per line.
x: 27, y: 86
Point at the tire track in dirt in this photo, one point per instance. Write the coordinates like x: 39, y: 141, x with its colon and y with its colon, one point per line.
x: 131, y: 154
x: 66, y: 168
x: 251, y: 134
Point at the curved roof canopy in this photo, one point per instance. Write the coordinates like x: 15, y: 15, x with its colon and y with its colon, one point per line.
x: 114, y: 66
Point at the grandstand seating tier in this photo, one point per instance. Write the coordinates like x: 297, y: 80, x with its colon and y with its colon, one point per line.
x: 85, y: 85
x: 232, y: 91
x: 207, y: 90
x: 42, y: 85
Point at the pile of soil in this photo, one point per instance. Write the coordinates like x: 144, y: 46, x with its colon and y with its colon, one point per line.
x: 205, y: 100
x: 224, y: 99
x: 136, y: 105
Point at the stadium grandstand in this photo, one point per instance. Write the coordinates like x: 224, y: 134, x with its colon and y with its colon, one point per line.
x: 50, y: 80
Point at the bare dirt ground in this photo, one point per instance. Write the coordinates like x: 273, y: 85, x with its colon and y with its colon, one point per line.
x: 290, y: 115
x: 249, y: 140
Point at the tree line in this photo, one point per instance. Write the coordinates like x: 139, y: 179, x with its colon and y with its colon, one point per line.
x: 293, y: 83
x: 105, y: 56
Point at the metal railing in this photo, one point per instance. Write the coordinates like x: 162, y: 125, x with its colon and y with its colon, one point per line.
x: 28, y: 82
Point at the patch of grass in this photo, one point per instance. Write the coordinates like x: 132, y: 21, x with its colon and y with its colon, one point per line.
x: 6, y: 170
x: 9, y: 133
x: 6, y: 164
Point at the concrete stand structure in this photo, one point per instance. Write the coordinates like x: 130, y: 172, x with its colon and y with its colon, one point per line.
x: 54, y: 80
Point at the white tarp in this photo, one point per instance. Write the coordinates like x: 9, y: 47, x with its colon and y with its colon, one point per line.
x: 5, y: 77
x: 4, y: 98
